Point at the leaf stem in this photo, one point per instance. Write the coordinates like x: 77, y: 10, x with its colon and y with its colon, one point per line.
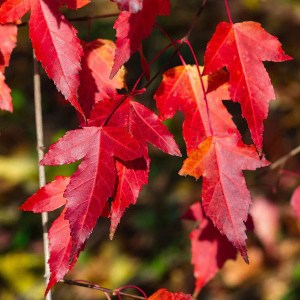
x: 40, y: 151
x: 228, y: 11
x: 176, y: 51
x: 150, y: 63
x: 173, y: 42
x: 202, y: 85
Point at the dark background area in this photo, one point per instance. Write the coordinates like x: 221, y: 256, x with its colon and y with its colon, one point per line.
x: 151, y: 246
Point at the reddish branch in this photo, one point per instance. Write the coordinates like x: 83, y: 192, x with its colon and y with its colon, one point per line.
x: 81, y: 19
x: 93, y: 286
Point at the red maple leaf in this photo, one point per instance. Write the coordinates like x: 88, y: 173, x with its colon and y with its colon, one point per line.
x: 8, y: 38
x: 95, y: 84
x: 49, y: 197
x: 56, y: 45
x: 60, y: 246
x: 54, y: 40
x: 93, y: 182
x: 141, y: 122
x: 241, y: 48
x: 132, y: 175
x: 210, y: 250
x: 163, y: 294
x: 295, y: 201
x: 114, y: 164
x: 146, y: 127
x: 225, y: 197
x: 46, y: 199
x: 181, y: 90
x: 12, y: 10
x: 132, y: 28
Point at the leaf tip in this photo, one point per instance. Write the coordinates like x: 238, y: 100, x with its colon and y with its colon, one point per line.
x: 244, y: 254
x: 111, y: 235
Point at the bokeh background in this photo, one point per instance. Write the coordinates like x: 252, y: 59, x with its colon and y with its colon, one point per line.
x: 151, y: 246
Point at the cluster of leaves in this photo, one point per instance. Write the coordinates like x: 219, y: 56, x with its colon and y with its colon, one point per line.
x: 115, y: 130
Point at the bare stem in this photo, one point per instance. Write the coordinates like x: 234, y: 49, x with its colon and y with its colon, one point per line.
x: 228, y: 11
x: 40, y: 151
x: 81, y: 19
x: 198, y: 14
x: 102, y: 289
x: 281, y: 161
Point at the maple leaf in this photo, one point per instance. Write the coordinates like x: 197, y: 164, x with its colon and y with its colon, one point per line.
x: 132, y: 6
x: 241, y: 48
x: 181, y: 90
x: 12, y: 10
x: 144, y: 64
x: 143, y: 124
x: 295, y: 201
x: 225, y: 197
x: 210, y: 250
x: 53, y: 38
x: 46, y: 199
x: 93, y: 182
x: 163, y: 294
x: 8, y: 38
x: 95, y: 84
x: 132, y: 28
x: 56, y: 45
x: 132, y: 176
x: 60, y: 247
x: 49, y: 197
x: 146, y: 127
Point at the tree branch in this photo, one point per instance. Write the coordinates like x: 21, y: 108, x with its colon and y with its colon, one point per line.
x: 194, y: 22
x: 40, y: 151
x: 80, y: 19
x: 102, y: 289
x: 281, y: 161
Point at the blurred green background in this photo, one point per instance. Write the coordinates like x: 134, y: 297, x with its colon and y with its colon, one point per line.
x: 151, y: 246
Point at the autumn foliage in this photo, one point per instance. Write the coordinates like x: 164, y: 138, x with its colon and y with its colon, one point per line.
x: 115, y: 129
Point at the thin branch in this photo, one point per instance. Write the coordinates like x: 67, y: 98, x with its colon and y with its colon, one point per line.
x: 40, y: 151
x: 176, y: 44
x: 150, y: 63
x: 132, y: 287
x: 194, y: 22
x: 281, y: 161
x: 164, y: 67
x: 102, y: 289
x: 81, y: 19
